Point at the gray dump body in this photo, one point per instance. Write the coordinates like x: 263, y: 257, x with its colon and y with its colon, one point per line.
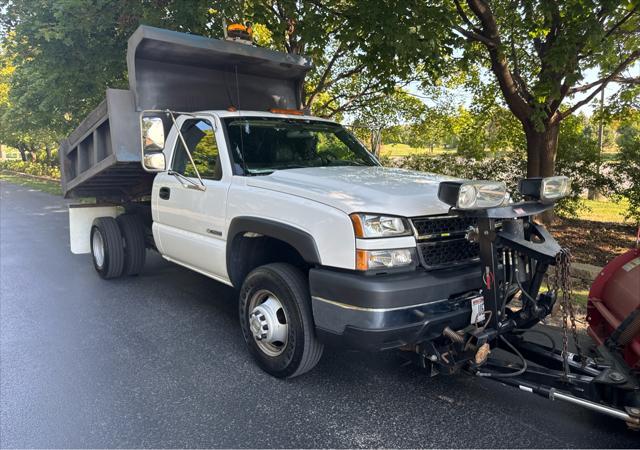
x: 177, y: 71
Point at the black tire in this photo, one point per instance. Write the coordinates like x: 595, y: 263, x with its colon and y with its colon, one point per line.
x: 111, y: 264
x: 302, y: 350
x: 134, y: 247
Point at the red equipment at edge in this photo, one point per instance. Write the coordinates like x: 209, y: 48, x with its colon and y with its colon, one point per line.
x: 614, y: 296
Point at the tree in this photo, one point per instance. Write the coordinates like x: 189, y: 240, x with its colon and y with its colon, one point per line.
x: 538, y: 52
x: 628, y: 169
x: 433, y: 127
x: 67, y: 53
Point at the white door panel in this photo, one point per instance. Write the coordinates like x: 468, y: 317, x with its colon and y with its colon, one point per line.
x: 202, y: 252
x: 190, y: 222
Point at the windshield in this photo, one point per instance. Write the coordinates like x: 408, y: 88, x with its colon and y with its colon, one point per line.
x: 260, y: 145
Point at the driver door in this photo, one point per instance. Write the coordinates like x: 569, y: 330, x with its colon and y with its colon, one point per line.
x: 190, y: 219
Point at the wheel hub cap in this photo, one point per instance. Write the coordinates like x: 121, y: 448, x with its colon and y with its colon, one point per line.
x: 268, y: 323
x: 97, y: 245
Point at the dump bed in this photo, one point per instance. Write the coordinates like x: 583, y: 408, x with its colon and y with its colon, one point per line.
x: 177, y: 71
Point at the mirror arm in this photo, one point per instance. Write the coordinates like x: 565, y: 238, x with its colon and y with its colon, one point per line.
x: 192, y: 184
x: 186, y: 148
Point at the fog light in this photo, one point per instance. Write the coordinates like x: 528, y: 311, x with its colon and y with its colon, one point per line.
x: 472, y: 194
x: 547, y: 189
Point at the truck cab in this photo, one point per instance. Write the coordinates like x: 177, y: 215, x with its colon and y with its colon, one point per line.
x: 257, y: 191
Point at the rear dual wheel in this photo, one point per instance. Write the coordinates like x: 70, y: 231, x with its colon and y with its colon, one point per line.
x: 117, y: 245
x: 134, y: 248
x: 107, y: 247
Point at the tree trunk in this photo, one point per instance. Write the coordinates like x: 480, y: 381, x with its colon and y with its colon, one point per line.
x: 47, y: 149
x: 23, y: 152
x: 32, y: 153
x: 542, y: 147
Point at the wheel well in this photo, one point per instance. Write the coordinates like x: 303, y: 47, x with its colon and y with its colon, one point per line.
x: 251, y: 250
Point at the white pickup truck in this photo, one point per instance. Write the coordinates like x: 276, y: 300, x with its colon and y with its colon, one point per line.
x: 322, y: 242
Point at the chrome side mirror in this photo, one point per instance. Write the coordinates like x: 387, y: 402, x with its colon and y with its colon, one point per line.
x: 154, y: 162
x: 152, y: 140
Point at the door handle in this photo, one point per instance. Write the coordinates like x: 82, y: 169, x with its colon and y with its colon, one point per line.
x: 165, y: 193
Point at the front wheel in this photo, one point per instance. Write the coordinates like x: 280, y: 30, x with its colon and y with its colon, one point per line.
x: 276, y: 320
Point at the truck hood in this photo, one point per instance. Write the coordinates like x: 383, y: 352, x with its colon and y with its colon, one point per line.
x: 381, y: 190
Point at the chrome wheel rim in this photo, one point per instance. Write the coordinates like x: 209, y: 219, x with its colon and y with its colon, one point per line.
x: 97, y: 246
x: 268, y: 323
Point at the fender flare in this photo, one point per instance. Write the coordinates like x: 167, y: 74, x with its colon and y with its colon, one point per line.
x: 300, y: 240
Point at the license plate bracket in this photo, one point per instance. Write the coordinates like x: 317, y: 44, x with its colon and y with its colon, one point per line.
x: 477, y: 309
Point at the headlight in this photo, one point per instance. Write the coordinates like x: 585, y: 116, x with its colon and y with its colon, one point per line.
x: 546, y: 189
x: 373, y: 226
x: 384, y: 259
x: 472, y: 194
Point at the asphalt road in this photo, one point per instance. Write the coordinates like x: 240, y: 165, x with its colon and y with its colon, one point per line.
x: 158, y: 360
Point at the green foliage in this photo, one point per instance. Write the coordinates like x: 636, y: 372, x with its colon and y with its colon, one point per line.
x: 66, y: 53
x: 509, y: 168
x: 31, y: 168
x: 538, y: 52
x: 347, y: 82
x: 471, y: 144
x: 628, y: 169
x: 397, y: 107
x: 205, y: 155
x: 504, y: 168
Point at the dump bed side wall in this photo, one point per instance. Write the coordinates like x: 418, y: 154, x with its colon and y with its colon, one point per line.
x: 101, y: 158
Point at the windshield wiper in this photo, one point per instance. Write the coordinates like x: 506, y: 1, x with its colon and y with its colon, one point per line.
x: 292, y: 167
x: 258, y: 172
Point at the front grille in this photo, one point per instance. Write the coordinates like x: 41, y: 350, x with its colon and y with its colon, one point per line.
x: 442, y: 242
x: 447, y: 253
x: 430, y: 227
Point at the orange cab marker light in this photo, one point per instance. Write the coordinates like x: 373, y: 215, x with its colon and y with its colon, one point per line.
x: 357, y: 225
x: 362, y: 260
x: 295, y: 112
x: 232, y: 109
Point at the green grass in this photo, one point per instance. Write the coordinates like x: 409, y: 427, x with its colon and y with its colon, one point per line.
x: 34, y: 183
x: 395, y: 150
x: 581, y: 296
x: 398, y: 150
x: 604, y: 211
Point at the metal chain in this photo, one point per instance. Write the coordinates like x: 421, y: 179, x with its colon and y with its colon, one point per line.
x: 562, y: 285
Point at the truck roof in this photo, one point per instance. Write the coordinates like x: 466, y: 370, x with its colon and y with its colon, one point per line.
x: 226, y: 113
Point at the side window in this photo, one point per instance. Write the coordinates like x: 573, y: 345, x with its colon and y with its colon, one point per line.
x: 201, y: 140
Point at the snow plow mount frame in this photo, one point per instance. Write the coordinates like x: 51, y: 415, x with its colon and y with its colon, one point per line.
x: 514, y: 247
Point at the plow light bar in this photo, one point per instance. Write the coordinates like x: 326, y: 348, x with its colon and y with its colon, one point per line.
x: 547, y: 189
x: 472, y: 194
